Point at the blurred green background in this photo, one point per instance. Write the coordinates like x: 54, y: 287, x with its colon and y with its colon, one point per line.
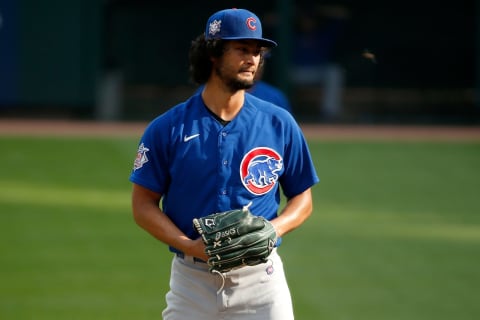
x: 395, y: 233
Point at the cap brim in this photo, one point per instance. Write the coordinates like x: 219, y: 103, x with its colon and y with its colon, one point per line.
x: 265, y: 42
x: 269, y: 43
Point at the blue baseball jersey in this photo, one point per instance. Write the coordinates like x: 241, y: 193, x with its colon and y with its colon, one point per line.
x: 201, y: 167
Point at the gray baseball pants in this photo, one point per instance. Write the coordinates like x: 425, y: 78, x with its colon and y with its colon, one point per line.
x: 254, y: 292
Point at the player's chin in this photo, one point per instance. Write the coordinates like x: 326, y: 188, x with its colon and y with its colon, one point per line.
x: 240, y: 84
x: 247, y: 82
x: 246, y: 85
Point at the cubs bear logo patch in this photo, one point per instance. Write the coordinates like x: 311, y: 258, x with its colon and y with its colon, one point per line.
x: 259, y: 170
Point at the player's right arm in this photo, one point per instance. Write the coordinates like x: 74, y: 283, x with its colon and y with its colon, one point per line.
x: 149, y: 216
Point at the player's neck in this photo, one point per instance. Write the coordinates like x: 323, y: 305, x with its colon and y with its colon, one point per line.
x: 224, y: 104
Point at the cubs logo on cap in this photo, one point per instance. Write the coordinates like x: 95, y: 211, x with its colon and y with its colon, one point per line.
x: 236, y: 24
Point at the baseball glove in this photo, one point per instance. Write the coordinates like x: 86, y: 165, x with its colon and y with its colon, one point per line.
x: 235, y: 238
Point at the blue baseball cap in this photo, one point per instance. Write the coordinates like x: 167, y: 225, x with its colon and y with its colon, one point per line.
x: 236, y: 24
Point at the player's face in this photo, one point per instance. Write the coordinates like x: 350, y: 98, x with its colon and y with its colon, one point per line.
x: 239, y: 63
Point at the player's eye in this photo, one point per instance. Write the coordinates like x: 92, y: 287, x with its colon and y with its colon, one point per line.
x: 246, y: 48
x: 249, y: 50
x: 243, y: 50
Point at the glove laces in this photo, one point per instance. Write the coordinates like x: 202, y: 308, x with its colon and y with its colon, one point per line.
x: 222, y: 275
x: 245, y: 207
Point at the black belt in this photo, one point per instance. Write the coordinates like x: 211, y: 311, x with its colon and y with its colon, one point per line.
x: 195, y: 259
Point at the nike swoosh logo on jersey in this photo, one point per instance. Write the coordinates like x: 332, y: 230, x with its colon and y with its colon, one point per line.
x: 188, y: 138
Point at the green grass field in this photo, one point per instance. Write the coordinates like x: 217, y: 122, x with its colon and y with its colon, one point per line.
x: 395, y: 233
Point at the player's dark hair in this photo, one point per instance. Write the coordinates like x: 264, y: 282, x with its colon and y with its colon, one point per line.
x: 201, y: 50
x: 200, y: 54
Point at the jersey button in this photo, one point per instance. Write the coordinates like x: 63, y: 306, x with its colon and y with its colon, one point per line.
x: 224, y: 134
x: 224, y: 192
x: 225, y: 162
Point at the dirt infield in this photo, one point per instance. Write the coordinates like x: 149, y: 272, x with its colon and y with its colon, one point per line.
x: 32, y: 127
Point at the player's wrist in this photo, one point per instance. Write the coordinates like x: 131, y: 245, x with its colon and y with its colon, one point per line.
x: 196, y: 248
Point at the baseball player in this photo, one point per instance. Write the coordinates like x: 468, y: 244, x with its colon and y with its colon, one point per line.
x: 219, y: 150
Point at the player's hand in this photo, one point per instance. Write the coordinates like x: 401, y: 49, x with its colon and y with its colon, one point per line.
x: 198, y: 249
